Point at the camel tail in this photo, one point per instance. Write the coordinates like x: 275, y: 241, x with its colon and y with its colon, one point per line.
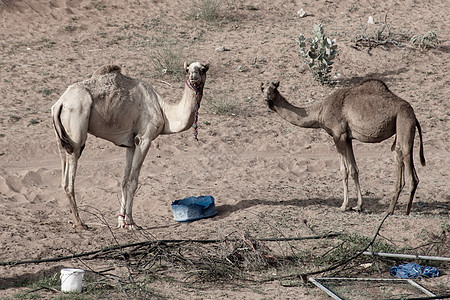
x: 422, y: 157
x: 59, y: 128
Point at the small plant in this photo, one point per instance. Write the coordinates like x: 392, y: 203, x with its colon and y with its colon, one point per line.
x: 207, y: 10
x: 428, y: 40
x: 33, y: 122
x: 99, y: 5
x: 46, y: 91
x: 320, y: 55
x: 48, y: 43
x: 14, y: 118
x: 102, y: 35
x: 168, y: 60
x: 69, y: 28
x: 224, y: 106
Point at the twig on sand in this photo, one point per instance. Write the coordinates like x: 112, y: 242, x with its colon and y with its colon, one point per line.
x: 146, y: 243
x: 304, y: 276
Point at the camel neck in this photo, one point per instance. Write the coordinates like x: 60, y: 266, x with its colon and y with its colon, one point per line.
x: 307, y: 117
x: 197, y: 99
x: 181, y: 115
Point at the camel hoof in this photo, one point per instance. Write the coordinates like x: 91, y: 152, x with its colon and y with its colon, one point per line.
x: 131, y: 226
x: 123, y: 224
x: 80, y: 227
x: 344, y: 208
x: 389, y: 212
x: 357, y: 208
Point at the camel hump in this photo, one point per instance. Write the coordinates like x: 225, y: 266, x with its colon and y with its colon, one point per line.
x: 374, y: 83
x: 106, y: 69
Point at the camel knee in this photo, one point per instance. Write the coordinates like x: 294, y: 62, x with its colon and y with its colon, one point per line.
x: 414, y: 183
x: 344, y: 173
x: 125, y: 184
x: 401, y: 185
x: 354, y: 173
x: 414, y: 178
x: 130, y: 184
x: 67, y: 189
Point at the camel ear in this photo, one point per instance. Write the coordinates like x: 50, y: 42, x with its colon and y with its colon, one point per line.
x: 276, y: 84
x: 206, y: 67
x: 185, y: 66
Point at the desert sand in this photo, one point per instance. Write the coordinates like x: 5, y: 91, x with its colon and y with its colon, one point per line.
x: 267, y: 176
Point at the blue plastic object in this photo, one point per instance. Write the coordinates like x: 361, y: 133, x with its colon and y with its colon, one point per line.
x: 193, y: 208
x: 412, y: 270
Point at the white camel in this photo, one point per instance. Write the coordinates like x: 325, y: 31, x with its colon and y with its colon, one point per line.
x: 369, y: 113
x: 127, y: 112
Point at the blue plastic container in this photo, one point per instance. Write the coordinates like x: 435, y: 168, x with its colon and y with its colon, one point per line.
x: 193, y: 208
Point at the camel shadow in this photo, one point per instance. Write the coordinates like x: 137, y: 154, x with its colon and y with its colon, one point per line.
x: 371, y: 205
x: 28, y: 278
x: 432, y: 208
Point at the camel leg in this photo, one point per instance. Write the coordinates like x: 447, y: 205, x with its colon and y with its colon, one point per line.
x: 69, y: 164
x: 406, y: 142
x: 70, y: 169
x: 344, y: 174
x: 400, y: 182
x: 414, y: 181
x: 354, y: 173
x: 75, y: 120
x: 341, y: 148
x: 125, y: 186
x: 135, y: 159
x: 404, y: 158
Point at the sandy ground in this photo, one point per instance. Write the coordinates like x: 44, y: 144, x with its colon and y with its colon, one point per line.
x: 266, y: 175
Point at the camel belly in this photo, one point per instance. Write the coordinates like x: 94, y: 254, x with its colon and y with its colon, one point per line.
x: 119, y: 138
x: 371, y: 134
x: 120, y: 131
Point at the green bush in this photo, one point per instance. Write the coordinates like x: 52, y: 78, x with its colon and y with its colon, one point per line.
x: 320, y: 55
x: 428, y: 40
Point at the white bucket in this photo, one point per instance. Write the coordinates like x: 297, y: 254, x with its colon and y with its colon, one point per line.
x: 71, y: 280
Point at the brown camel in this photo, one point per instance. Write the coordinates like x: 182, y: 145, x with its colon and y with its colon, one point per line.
x: 127, y: 112
x: 368, y: 112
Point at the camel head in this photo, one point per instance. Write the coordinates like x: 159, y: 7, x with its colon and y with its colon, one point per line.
x: 196, y: 74
x: 270, y: 91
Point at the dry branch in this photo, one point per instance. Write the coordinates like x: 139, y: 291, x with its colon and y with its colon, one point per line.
x: 379, y: 39
x: 304, y: 276
x: 96, y: 253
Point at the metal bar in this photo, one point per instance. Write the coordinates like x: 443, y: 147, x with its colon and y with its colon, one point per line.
x: 411, y: 256
x: 413, y: 283
x: 361, y: 279
x: 406, y: 281
x: 323, y: 288
x: 440, y: 297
